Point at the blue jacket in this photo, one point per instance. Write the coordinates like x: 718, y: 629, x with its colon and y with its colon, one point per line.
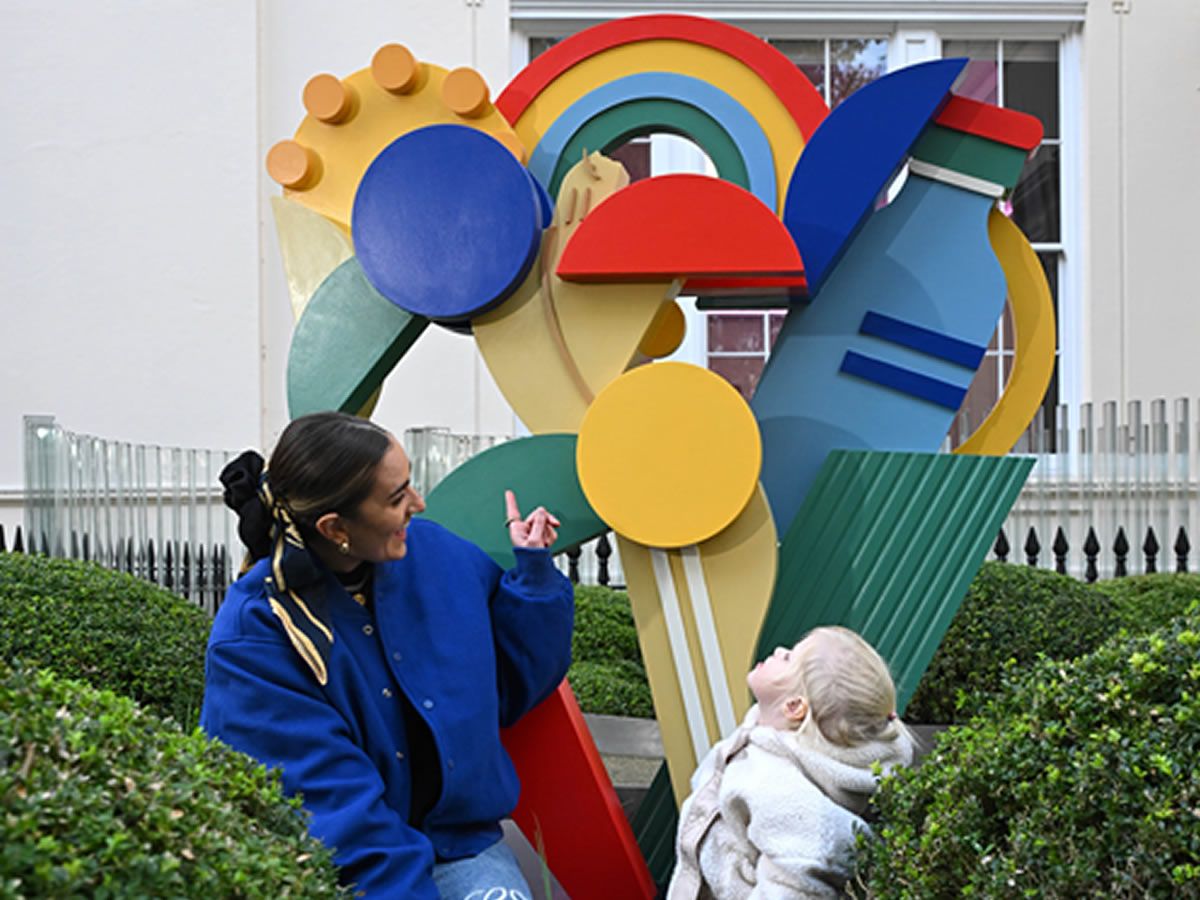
x: 473, y: 648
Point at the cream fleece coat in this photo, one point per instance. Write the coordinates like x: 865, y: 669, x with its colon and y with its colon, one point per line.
x: 774, y: 814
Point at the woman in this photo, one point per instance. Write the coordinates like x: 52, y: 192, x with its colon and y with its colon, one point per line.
x: 373, y: 657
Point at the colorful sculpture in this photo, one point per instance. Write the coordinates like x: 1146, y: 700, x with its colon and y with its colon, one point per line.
x: 446, y: 199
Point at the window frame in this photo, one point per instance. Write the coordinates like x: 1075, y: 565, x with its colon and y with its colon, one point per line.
x: 915, y: 30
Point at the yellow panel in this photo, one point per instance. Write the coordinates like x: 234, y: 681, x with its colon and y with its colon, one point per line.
x: 347, y: 147
x: 739, y: 567
x: 311, y: 247
x: 601, y: 324
x: 669, y: 454
x: 665, y: 333
x: 1033, y: 362
x: 520, y: 342
x: 704, y: 63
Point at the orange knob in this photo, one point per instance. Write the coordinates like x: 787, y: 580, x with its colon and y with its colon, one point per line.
x: 466, y: 93
x: 293, y: 165
x: 395, y: 69
x: 328, y: 98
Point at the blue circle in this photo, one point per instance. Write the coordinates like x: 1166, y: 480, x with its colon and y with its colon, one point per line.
x: 446, y: 222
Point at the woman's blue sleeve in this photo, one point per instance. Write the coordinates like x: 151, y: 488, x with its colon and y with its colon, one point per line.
x: 533, y: 613
x: 259, y: 700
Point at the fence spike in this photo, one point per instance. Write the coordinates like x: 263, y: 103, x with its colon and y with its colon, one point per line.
x: 201, y: 579
x: 74, y: 545
x: 603, y: 552
x: 3, y: 547
x: 1001, y: 547
x: 168, y: 569
x: 1182, y: 547
x: 1061, y: 548
x: 1121, y: 549
x: 1032, y: 547
x: 573, y: 555
x: 185, y: 579
x: 87, y: 547
x: 1150, y: 548
x: 151, y: 573
x: 1091, y: 549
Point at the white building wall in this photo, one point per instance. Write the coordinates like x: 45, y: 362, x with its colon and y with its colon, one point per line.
x: 141, y: 286
x: 142, y: 289
x: 129, y: 269
x: 1142, y: 140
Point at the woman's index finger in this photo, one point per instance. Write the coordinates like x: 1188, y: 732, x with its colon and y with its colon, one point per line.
x: 511, y: 510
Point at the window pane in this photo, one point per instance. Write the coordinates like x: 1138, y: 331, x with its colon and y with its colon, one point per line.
x: 809, y: 57
x: 1049, y: 261
x: 775, y: 322
x: 539, y: 45
x: 742, y: 372
x: 1035, y: 201
x: 635, y: 157
x: 735, y: 334
x: 1031, y: 81
x: 982, y: 394
x: 854, y: 63
x: 980, y: 79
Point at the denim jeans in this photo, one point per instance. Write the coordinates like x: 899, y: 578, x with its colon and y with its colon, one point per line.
x: 492, y: 875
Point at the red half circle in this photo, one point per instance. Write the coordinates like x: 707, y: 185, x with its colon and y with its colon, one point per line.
x: 680, y: 226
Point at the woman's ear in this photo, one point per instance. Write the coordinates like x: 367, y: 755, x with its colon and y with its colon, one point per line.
x: 332, y: 527
x: 795, y: 709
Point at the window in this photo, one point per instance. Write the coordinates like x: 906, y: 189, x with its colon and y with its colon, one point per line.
x: 1017, y: 74
x: 1021, y: 75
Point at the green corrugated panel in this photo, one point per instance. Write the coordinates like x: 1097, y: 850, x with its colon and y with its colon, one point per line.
x: 654, y: 823
x: 886, y: 544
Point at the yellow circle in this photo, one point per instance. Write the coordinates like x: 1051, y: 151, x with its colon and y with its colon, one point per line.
x: 665, y: 333
x: 668, y: 454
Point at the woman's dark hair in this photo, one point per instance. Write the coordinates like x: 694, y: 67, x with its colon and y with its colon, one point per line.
x: 323, y: 462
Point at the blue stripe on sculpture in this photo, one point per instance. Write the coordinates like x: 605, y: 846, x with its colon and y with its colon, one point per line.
x: 924, y: 340
x: 904, y: 380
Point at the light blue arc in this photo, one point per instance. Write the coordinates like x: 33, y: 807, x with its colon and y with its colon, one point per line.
x: 743, y: 129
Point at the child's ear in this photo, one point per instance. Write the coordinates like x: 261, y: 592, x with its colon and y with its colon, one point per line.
x: 796, y: 708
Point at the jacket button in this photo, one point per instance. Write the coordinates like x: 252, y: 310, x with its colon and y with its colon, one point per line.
x: 399, y: 754
x: 387, y: 692
x: 427, y: 703
x: 450, y: 763
x: 396, y: 656
x: 368, y: 630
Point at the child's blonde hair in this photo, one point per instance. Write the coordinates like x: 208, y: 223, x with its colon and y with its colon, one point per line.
x: 850, y: 692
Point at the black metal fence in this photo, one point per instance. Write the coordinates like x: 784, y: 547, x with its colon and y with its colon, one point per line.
x: 1060, y: 550
x: 197, y: 573
x: 202, y: 574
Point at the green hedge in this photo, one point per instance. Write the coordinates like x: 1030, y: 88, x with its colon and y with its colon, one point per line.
x: 112, y: 630
x: 1150, y: 601
x: 607, y: 673
x: 103, y: 799
x: 1011, y: 612
x: 1078, y: 780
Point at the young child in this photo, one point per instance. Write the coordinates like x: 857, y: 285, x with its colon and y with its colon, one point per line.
x: 775, y: 806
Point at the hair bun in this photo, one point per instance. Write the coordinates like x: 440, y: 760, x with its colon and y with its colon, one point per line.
x: 241, y: 479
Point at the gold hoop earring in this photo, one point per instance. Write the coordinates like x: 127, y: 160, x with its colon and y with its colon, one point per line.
x: 344, y: 546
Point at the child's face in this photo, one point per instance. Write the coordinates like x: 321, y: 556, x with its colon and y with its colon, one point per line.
x: 774, y: 678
